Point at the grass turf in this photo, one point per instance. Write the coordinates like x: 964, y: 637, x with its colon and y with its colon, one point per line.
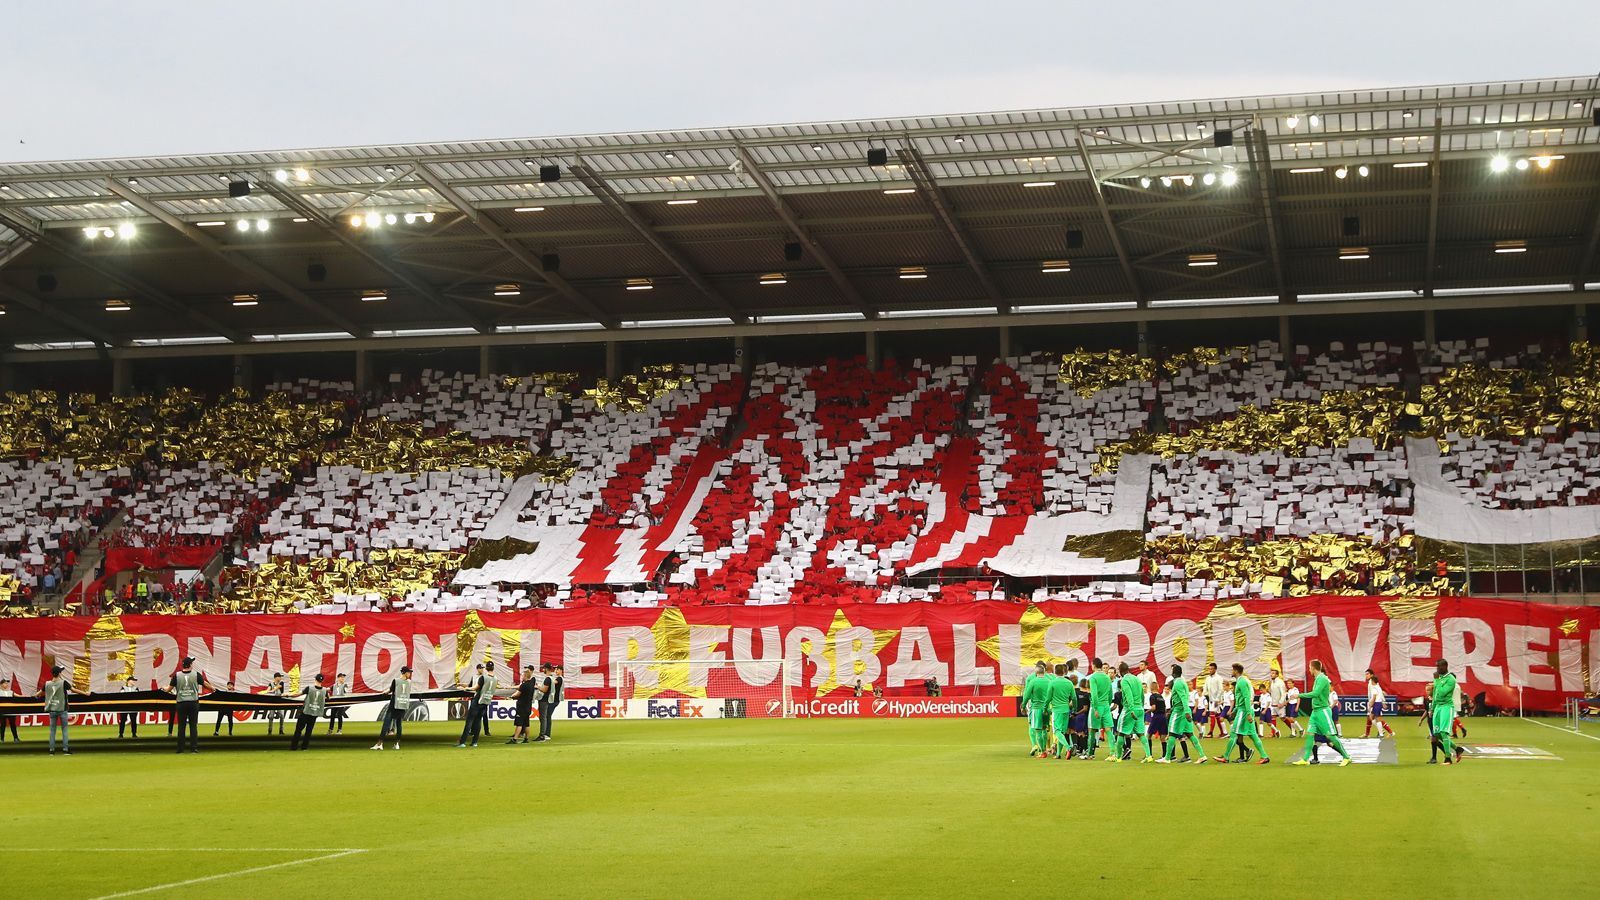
x: 782, y: 808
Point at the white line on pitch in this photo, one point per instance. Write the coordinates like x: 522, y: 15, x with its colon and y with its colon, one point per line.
x: 206, y: 878
x: 1562, y: 730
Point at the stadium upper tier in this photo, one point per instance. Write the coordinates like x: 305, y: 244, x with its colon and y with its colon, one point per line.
x: 1444, y: 196
x: 1212, y: 473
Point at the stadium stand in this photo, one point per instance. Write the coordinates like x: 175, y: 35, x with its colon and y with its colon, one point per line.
x: 693, y: 485
x: 1282, y: 414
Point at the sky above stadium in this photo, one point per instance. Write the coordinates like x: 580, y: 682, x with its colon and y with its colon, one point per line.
x: 98, y: 79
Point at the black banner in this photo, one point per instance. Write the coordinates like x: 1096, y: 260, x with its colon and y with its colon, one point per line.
x: 161, y: 701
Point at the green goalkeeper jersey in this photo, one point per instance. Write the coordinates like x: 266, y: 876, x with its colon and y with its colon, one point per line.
x: 1132, y: 694
x: 1321, y: 693
x: 1180, y: 699
x: 1099, y: 689
x: 1063, y: 694
x: 1444, y: 691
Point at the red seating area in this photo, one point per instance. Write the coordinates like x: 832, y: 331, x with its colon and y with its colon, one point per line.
x: 1027, y: 456
x: 625, y: 489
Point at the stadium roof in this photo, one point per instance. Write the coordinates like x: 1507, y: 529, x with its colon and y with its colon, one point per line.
x: 1360, y: 196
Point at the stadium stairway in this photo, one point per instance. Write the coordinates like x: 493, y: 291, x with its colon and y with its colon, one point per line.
x: 89, y: 560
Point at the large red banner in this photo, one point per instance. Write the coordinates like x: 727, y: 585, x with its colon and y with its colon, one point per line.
x: 120, y: 559
x: 1534, y: 653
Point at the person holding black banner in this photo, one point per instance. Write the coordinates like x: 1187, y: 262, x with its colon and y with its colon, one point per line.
x: 399, y: 705
x: 185, y: 685
x: 5, y: 720
x: 525, y: 694
x: 276, y: 689
x: 337, y: 714
x: 224, y: 716
x: 551, y: 698
x: 128, y: 719
x: 478, y: 708
x: 316, y: 700
x: 56, y: 691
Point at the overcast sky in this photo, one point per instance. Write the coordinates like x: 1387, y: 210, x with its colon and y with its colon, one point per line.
x: 93, y: 79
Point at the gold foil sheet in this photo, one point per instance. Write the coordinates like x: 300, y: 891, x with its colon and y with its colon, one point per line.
x: 635, y: 393
x: 1289, y: 426
x: 245, y: 435
x: 1088, y: 373
x: 1111, y: 546
x: 1470, y: 400
x: 1345, y: 565
x: 275, y: 585
x: 382, y: 445
x: 242, y: 434
x: 9, y: 587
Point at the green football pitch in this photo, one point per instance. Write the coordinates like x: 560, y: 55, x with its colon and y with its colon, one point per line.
x: 783, y: 808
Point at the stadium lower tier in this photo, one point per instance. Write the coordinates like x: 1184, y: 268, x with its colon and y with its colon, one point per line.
x: 1506, y: 653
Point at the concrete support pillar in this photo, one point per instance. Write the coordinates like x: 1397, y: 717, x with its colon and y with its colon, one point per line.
x: 1430, y: 331
x: 1142, y: 340
x: 1285, y: 338
x: 1005, y: 341
x: 485, y: 361
x: 243, y: 371
x: 741, y: 355
x: 613, y: 361
x: 1580, y: 322
x: 872, y: 350
x: 121, y: 377
x: 363, y: 370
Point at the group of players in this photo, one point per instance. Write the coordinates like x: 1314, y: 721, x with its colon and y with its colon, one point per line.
x: 1070, y: 715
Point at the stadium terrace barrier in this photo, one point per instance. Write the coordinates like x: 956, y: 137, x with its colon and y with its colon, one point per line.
x: 1499, y: 648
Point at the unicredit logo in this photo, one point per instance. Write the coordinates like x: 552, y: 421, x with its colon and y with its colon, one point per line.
x: 850, y: 707
x: 879, y: 705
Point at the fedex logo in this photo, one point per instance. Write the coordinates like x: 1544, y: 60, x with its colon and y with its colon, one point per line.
x: 673, y: 709
x: 596, y: 709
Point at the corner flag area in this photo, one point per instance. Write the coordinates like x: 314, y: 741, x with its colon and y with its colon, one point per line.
x: 780, y: 808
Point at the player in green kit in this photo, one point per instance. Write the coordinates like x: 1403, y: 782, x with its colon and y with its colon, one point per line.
x: 1063, y: 699
x: 1132, y: 723
x: 1443, y: 710
x: 1180, y: 721
x: 1099, y: 705
x: 1036, y: 700
x: 1244, y: 719
x: 1321, y: 721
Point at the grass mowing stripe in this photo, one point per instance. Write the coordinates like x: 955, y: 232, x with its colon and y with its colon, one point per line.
x: 1559, y: 728
x: 201, y: 880
x: 177, y: 849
